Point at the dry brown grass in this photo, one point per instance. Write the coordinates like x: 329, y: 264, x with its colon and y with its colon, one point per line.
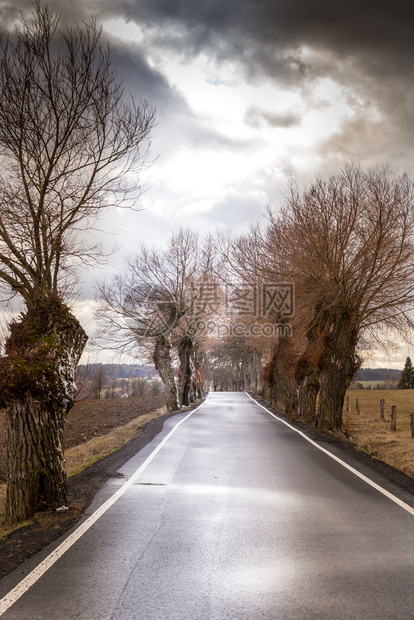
x: 83, y: 455
x: 372, y: 434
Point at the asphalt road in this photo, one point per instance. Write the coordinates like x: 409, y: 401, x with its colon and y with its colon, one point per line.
x: 237, y: 516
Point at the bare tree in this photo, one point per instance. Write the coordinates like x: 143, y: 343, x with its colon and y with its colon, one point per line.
x: 198, y: 375
x: 140, y: 386
x: 142, y: 306
x: 185, y: 348
x: 100, y: 380
x: 110, y: 391
x: 189, y: 341
x: 84, y: 382
x: 253, y: 261
x: 349, y: 245
x: 228, y: 359
x: 156, y: 387
x: 70, y: 147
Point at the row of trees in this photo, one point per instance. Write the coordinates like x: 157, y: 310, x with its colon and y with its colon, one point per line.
x: 92, y: 382
x: 347, y: 245
x: 147, y: 310
x: 284, y: 309
x: 340, y: 250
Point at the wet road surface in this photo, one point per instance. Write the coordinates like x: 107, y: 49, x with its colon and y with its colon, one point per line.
x: 236, y: 516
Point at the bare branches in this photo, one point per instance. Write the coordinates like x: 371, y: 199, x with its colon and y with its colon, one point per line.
x: 146, y: 306
x: 347, y: 245
x: 70, y: 146
x: 349, y: 242
x: 154, y: 291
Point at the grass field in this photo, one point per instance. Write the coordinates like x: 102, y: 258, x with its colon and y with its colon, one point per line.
x: 366, y: 384
x: 369, y: 432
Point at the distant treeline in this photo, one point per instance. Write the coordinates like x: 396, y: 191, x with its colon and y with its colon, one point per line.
x: 130, y: 371
x: 378, y: 374
x: 122, y: 371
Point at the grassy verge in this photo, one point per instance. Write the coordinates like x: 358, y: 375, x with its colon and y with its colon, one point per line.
x: 369, y: 432
x: 81, y: 456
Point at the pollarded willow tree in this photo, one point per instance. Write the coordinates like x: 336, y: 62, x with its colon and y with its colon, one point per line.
x: 349, y: 244
x: 255, y: 263
x: 71, y: 146
x: 140, y: 309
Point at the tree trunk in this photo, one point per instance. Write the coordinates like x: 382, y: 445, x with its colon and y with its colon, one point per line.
x: 35, y: 464
x: 185, y: 350
x: 270, y: 378
x: 197, y: 384
x: 257, y: 373
x: 307, y: 378
x: 339, y: 365
x: 291, y: 397
x: 331, y: 399
x: 199, y: 389
x: 193, y: 391
x: 308, y: 393
x: 163, y: 364
x: 42, y: 353
x: 308, y: 366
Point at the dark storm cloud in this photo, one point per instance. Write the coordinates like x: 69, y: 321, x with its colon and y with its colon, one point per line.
x: 366, y: 46
x: 268, y: 36
x: 10, y: 11
x: 257, y: 117
x: 133, y: 68
x: 294, y: 41
x: 143, y: 81
x: 176, y: 122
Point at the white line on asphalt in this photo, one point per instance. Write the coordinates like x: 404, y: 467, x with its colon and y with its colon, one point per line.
x: 26, y: 583
x: 338, y: 460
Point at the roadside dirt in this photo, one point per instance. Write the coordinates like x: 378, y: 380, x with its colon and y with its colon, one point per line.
x: 91, y: 418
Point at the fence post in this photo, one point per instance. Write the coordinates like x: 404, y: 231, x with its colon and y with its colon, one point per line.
x: 382, y: 404
x: 357, y: 405
x: 412, y: 424
x: 393, y: 418
x: 347, y: 403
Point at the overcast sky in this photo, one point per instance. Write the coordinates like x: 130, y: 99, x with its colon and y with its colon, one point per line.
x: 250, y: 93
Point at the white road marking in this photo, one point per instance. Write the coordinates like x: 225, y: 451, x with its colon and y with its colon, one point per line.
x: 376, y: 486
x: 26, y: 583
